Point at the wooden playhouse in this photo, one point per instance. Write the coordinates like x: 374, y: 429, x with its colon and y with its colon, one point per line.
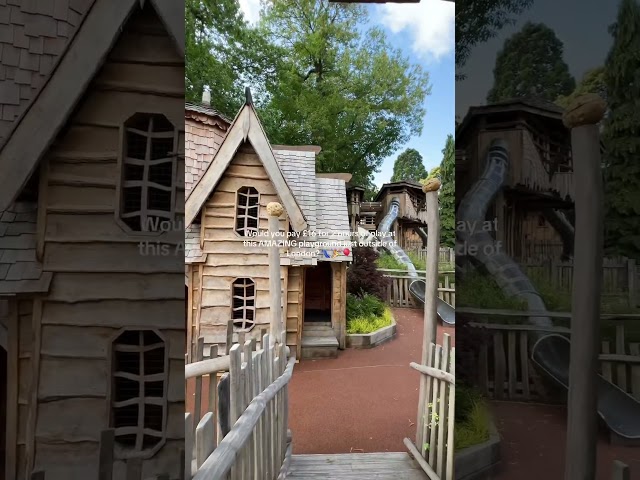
x: 233, y: 172
x: 91, y: 327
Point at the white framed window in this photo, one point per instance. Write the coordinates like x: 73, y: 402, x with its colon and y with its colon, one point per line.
x: 247, y: 211
x: 138, y: 395
x: 243, y: 304
x: 148, y: 180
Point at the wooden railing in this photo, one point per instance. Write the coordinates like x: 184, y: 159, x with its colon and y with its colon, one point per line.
x: 258, y: 444
x: 506, y: 371
x: 397, y: 292
x: 434, y: 445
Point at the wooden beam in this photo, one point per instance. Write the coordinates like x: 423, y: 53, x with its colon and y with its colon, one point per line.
x: 582, y: 423
x: 52, y: 107
x: 13, y: 377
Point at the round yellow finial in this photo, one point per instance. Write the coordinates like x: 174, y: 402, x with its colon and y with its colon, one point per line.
x: 431, y: 185
x: 274, y: 209
x: 587, y: 109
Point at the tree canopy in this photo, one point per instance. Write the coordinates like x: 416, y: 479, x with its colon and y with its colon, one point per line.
x: 408, y: 167
x: 340, y: 86
x: 531, y: 64
x: 319, y: 75
x: 621, y: 135
x: 446, y: 173
x: 477, y: 22
x: 592, y: 82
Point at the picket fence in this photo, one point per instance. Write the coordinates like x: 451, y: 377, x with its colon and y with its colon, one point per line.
x: 434, y: 444
x: 506, y: 371
x: 397, y: 291
x: 242, y: 430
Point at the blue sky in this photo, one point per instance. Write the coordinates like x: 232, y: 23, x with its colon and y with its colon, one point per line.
x: 425, y: 34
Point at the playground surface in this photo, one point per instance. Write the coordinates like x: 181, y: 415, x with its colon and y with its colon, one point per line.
x: 533, y: 443
x: 364, y: 400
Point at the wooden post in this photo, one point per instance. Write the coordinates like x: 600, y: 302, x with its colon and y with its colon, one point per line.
x: 582, y: 117
x: 631, y: 282
x: 431, y: 294
x: 274, y: 210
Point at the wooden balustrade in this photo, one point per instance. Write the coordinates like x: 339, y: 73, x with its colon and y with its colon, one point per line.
x: 434, y: 445
x: 258, y: 443
x: 397, y: 292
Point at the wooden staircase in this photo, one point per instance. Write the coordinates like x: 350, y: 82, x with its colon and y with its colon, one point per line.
x: 319, y: 341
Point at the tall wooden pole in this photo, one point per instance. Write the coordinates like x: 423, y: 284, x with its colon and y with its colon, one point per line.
x: 430, y: 188
x: 582, y: 426
x: 274, y: 210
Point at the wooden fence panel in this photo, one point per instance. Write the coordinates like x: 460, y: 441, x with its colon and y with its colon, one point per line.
x: 506, y: 371
x: 397, y: 293
x: 434, y: 446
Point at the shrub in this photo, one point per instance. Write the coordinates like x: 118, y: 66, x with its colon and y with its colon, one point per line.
x: 366, y: 314
x: 363, y: 276
x: 388, y: 261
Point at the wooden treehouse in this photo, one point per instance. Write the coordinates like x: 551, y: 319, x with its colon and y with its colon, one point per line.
x: 411, y: 217
x: 540, y: 176
x: 91, y: 330
x: 233, y: 173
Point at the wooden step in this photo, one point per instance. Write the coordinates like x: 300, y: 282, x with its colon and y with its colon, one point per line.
x: 319, y: 346
x: 315, y: 325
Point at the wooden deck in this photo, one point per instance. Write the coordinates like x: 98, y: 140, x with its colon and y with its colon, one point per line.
x: 356, y: 466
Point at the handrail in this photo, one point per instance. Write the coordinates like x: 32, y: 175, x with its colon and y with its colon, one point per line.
x: 211, y: 366
x: 221, y: 460
x: 206, y: 367
x: 530, y: 313
x: 434, y: 372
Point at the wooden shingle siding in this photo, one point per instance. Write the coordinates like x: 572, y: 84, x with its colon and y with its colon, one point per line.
x: 101, y: 281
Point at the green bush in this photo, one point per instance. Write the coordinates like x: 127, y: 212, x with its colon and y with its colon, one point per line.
x: 472, y: 418
x: 366, y: 314
x: 388, y: 261
x: 481, y: 291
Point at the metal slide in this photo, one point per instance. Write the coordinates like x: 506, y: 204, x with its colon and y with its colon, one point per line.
x: 417, y: 287
x: 620, y: 411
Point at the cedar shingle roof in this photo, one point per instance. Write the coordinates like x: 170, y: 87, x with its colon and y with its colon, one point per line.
x: 33, y: 36
x: 20, y: 271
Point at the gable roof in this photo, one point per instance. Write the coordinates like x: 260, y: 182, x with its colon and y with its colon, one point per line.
x: 78, y: 64
x: 246, y: 126
x: 322, y: 200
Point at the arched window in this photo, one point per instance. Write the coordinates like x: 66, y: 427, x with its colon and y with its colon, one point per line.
x: 247, y: 211
x: 243, y: 306
x: 138, y: 392
x: 148, y: 183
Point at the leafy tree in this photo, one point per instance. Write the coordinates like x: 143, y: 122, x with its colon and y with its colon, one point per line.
x: 446, y: 173
x: 223, y: 52
x: 592, y: 82
x: 531, y: 64
x: 340, y: 86
x: 408, y: 166
x: 479, y: 21
x: 621, y: 136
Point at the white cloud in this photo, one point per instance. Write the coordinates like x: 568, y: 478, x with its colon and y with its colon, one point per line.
x: 430, y: 25
x: 251, y: 10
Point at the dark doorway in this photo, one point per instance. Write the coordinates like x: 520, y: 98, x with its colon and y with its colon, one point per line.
x: 317, y: 293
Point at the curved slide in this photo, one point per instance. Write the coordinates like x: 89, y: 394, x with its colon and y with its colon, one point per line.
x: 417, y: 286
x: 620, y: 411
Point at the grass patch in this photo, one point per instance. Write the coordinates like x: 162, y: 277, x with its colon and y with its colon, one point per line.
x: 366, y: 314
x: 482, y: 291
x: 388, y: 261
x: 472, y: 418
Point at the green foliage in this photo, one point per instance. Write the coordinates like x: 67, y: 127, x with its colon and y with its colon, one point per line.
x: 621, y: 135
x: 472, y: 418
x: 366, y: 314
x: 531, y: 64
x: 477, y: 22
x: 592, y: 82
x: 447, y: 194
x: 224, y: 53
x: 388, y: 261
x: 478, y: 290
x: 408, y: 167
x: 341, y: 86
